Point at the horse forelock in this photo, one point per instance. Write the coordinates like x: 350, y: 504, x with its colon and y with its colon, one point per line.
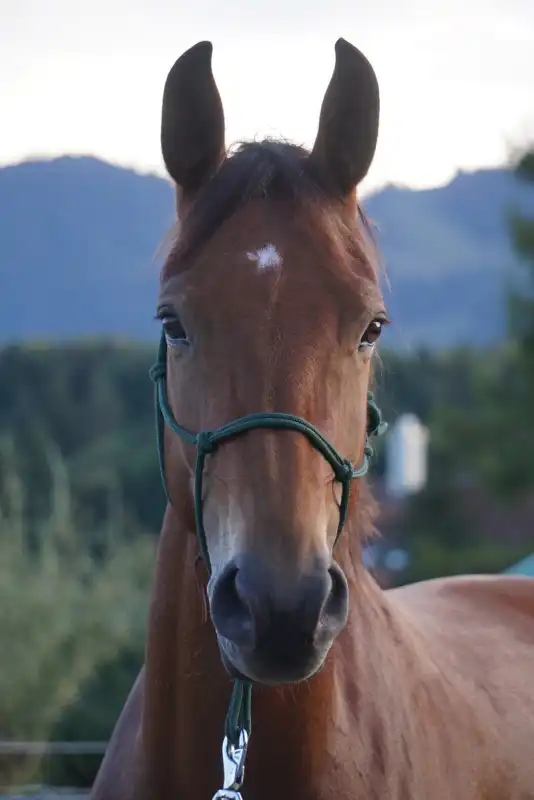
x: 269, y: 170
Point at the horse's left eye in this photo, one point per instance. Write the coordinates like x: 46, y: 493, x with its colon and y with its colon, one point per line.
x: 174, y: 330
x: 372, y: 333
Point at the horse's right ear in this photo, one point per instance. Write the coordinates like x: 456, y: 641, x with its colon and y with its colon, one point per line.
x: 192, y: 120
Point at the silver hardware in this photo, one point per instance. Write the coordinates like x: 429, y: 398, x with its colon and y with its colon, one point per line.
x: 233, y: 759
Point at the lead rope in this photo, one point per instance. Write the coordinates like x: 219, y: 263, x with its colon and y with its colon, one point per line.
x: 238, y: 724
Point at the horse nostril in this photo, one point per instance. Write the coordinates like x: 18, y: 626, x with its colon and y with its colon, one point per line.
x: 335, y: 610
x: 230, y: 614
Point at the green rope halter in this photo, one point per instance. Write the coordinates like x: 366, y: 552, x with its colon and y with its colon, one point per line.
x: 206, y: 442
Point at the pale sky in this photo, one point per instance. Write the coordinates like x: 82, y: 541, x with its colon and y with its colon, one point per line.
x: 456, y: 76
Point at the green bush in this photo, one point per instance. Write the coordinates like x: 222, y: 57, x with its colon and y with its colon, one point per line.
x: 63, y: 616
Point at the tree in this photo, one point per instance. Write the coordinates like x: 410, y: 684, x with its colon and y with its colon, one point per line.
x: 495, y: 437
x: 515, y: 393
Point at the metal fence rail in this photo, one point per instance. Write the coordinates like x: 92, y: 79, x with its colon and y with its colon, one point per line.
x: 44, y: 793
x: 52, y: 748
x: 23, y: 750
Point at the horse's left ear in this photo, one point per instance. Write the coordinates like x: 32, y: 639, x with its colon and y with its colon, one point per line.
x: 192, y: 120
x: 348, y: 124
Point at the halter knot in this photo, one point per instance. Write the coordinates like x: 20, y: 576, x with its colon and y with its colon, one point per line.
x: 157, y: 371
x: 205, y: 443
x: 345, y: 471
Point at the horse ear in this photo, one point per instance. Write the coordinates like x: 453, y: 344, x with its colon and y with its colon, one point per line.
x: 348, y: 123
x: 192, y: 120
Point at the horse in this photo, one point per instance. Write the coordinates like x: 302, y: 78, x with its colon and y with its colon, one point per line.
x: 271, y: 310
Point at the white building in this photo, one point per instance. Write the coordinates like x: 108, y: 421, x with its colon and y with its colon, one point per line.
x: 406, y: 456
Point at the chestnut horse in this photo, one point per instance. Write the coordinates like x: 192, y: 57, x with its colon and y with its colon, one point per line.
x: 271, y: 308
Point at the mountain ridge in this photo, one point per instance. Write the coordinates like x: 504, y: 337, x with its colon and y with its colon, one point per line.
x: 80, y: 239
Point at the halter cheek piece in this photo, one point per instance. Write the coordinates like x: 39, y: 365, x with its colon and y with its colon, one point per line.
x: 238, y: 719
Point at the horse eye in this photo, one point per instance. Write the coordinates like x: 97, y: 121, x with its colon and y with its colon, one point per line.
x: 372, y: 333
x: 174, y: 330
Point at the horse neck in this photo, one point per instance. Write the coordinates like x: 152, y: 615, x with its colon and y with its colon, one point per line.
x: 297, y: 729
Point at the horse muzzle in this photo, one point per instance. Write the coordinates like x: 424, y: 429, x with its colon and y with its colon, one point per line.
x: 274, y: 627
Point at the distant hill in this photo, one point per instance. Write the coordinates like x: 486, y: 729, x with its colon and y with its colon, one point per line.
x: 448, y: 256
x: 79, y: 237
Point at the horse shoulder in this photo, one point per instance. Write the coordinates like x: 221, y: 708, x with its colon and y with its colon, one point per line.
x: 508, y: 600
x: 479, y: 634
x: 120, y: 771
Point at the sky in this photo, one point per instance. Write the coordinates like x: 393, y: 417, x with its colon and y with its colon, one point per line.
x: 456, y: 77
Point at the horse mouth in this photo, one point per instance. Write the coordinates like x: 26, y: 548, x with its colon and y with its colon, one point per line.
x: 271, y: 666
